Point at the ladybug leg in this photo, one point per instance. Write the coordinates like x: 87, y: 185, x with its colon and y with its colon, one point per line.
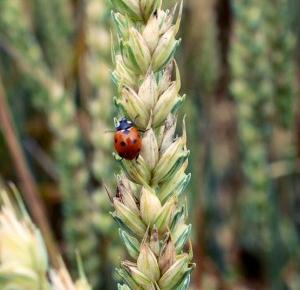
x: 135, y: 119
x: 143, y: 131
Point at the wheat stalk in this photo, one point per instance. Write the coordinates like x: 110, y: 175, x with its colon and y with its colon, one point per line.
x: 147, y: 208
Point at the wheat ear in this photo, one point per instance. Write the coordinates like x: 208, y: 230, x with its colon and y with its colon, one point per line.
x: 147, y: 205
x: 23, y: 256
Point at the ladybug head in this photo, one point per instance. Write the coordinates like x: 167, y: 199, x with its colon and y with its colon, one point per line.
x: 124, y: 124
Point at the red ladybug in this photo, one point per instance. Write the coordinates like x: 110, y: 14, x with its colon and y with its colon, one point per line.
x: 128, y: 142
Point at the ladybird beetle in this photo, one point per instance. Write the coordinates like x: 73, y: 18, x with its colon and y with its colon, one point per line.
x: 128, y: 142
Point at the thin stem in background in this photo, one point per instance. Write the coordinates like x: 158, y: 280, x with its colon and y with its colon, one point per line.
x: 27, y: 182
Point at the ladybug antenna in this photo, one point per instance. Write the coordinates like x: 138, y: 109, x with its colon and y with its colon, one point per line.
x: 109, y: 194
x: 109, y: 131
x: 143, y: 131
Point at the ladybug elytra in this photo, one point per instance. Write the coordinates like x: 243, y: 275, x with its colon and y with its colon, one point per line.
x: 128, y: 142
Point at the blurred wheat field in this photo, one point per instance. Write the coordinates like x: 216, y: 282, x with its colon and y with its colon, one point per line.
x: 239, y: 64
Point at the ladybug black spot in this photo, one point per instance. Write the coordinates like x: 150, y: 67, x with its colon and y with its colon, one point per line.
x: 116, y: 140
x: 123, y: 143
x: 134, y: 141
